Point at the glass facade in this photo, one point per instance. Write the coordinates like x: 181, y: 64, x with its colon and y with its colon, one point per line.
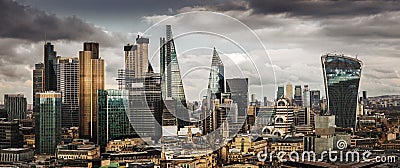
x: 50, y: 66
x: 238, y: 88
x: 342, y: 77
x: 48, y: 122
x: 280, y: 92
x: 216, y: 83
x: 315, y: 101
x: 113, y: 120
x: 171, y: 84
x: 145, y: 105
x: 298, y: 99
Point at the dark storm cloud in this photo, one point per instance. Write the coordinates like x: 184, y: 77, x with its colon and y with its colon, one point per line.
x: 323, y: 8
x: 24, y: 22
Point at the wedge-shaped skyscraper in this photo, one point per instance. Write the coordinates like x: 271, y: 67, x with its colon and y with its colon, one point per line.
x: 171, y: 83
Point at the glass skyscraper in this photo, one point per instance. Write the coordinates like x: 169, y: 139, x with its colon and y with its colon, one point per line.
x: 50, y: 67
x: 342, y: 78
x: 113, y: 120
x: 47, y: 122
x: 239, y: 90
x: 171, y: 83
x: 280, y: 92
x: 216, y: 83
x: 145, y: 105
x: 298, y: 99
x: 315, y: 101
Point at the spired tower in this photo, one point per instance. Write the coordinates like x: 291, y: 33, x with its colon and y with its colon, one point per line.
x: 342, y: 79
x: 171, y: 83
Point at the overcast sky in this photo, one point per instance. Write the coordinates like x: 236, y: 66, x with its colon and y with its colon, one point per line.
x: 294, y: 33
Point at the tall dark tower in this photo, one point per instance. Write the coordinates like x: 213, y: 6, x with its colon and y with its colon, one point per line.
x: 342, y: 79
x: 50, y: 66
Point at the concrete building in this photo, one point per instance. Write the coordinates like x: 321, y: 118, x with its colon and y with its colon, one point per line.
x: 10, y: 135
x: 15, y: 155
x: 68, y: 86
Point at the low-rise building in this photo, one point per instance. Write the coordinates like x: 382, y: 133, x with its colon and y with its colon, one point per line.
x: 13, y: 155
x: 78, y: 150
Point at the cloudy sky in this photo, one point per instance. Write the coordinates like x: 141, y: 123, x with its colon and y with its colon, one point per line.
x: 270, y: 42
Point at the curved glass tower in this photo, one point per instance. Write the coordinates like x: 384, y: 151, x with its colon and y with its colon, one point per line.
x: 342, y: 78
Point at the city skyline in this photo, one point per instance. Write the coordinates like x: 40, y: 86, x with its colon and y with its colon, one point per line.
x: 289, y: 56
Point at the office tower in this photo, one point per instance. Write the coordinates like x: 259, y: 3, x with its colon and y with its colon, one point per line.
x: 315, y: 101
x: 342, y: 79
x: 216, y: 86
x: 47, y: 122
x: 38, y: 80
x: 298, y: 99
x: 121, y: 79
x: 289, y: 91
x: 10, y: 135
x: 364, y: 93
x: 113, y: 120
x: 306, y: 96
x: 239, y: 90
x: 265, y: 101
x: 16, y: 106
x: 136, y: 58
x: 216, y: 83
x: 145, y: 105
x: 214, y: 90
x: 171, y: 84
x: 50, y: 67
x: 144, y: 109
x: 284, y: 117
x: 253, y: 98
x: 280, y: 93
x: 91, y: 79
x: 93, y: 48
x: 68, y: 86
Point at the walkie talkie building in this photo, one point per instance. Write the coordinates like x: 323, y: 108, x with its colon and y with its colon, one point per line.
x: 342, y: 78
